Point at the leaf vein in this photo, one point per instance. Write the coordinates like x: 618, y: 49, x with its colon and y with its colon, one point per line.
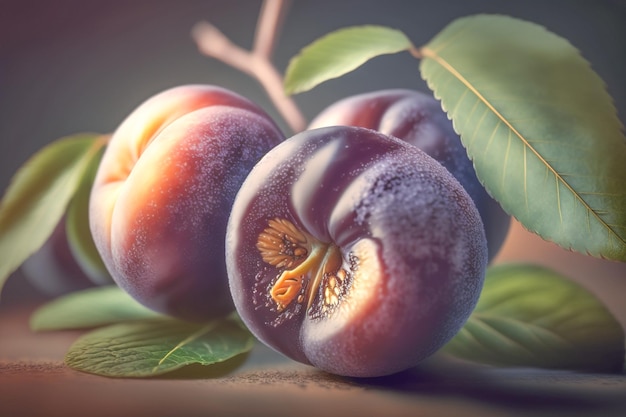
x: 435, y: 56
x: 186, y: 341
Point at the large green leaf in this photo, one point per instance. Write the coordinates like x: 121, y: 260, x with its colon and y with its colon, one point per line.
x: 340, y: 52
x: 89, y: 308
x: 154, y: 347
x: 78, y: 231
x: 38, y: 196
x: 531, y: 316
x: 540, y: 127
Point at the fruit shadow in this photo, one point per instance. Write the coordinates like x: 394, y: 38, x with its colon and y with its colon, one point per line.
x: 525, y: 389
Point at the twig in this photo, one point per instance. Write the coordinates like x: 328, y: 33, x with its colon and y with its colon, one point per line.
x: 269, y: 25
x: 256, y: 63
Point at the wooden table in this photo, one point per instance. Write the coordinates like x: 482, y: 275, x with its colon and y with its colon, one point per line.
x: 35, y: 382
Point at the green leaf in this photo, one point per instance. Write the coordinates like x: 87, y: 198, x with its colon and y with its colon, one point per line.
x: 77, y: 227
x: 540, y: 127
x: 89, y: 308
x: 38, y: 196
x: 340, y: 52
x: 154, y: 347
x: 531, y: 316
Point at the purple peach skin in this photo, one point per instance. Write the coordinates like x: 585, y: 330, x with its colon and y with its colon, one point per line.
x: 418, y: 119
x: 354, y: 252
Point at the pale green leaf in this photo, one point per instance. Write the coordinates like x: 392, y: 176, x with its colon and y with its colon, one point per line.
x: 78, y: 231
x: 38, y: 196
x: 531, y: 316
x: 155, y: 347
x: 89, y: 308
x: 540, y: 127
x: 340, y: 52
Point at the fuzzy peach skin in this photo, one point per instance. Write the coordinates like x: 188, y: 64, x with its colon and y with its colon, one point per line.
x: 354, y: 252
x: 163, y: 193
x: 417, y: 118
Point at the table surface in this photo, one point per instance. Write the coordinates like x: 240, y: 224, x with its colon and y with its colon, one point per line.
x: 35, y: 382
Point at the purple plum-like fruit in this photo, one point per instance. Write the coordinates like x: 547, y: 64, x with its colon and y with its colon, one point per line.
x: 353, y: 251
x: 418, y: 119
x: 52, y: 269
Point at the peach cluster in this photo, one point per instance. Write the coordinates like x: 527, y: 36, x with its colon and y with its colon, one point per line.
x: 358, y: 246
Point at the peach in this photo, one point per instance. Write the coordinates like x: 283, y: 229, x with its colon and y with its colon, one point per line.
x: 417, y: 118
x: 354, y: 252
x: 53, y: 269
x: 164, y: 191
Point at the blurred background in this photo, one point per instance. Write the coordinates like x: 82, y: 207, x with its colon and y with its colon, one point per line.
x: 69, y: 66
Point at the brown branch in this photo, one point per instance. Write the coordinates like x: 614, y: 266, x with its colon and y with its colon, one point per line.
x: 256, y: 63
x: 268, y: 27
